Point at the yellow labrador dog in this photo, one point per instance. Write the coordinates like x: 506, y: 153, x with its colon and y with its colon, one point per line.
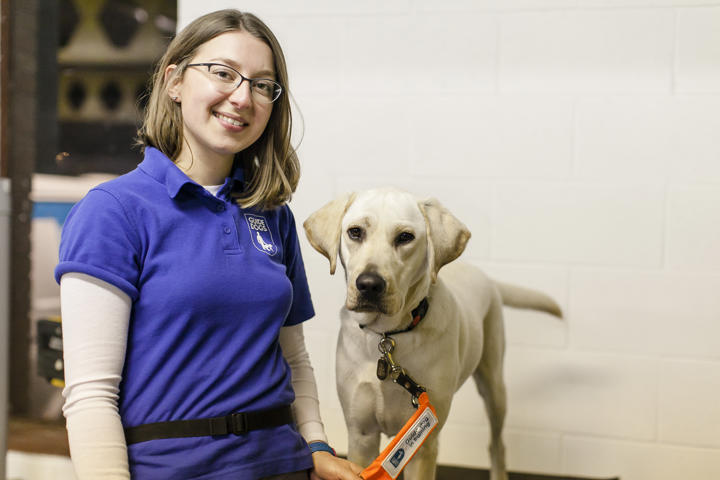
x: 446, y: 325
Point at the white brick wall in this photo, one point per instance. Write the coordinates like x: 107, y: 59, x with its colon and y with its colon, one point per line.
x: 580, y: 142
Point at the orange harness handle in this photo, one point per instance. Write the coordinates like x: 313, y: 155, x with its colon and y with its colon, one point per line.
x: 392, y: 460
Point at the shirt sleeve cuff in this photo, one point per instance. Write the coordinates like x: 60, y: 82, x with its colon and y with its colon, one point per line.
x: 93, y: 271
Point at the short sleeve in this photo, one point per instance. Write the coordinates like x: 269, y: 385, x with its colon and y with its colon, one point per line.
x: 301, y: 308
x: 100, y: 240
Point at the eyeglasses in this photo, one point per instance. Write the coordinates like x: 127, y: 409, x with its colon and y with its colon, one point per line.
x: 227, y: 79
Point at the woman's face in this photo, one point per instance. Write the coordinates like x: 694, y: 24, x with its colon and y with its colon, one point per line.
x: 216, y: 123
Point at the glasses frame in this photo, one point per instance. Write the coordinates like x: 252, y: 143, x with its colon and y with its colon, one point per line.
x: 243, y: 78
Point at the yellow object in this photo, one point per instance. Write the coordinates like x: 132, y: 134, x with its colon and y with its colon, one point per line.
x: 56, y: 382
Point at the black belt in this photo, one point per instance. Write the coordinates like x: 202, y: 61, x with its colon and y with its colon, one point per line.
x: 236, y: 423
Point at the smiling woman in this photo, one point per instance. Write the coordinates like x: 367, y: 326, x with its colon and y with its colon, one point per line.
x: 252, y: 51
x: 219, y: 122
x: 183, y: 287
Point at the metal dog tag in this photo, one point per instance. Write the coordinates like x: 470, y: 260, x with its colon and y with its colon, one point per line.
x: 382, y: 368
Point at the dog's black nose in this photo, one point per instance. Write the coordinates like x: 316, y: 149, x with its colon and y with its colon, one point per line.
x: 370, y: 284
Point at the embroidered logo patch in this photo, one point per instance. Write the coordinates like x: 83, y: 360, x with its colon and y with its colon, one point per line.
x: 260, y: 234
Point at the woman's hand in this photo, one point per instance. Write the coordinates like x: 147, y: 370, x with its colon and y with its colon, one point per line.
x: 328, y: 467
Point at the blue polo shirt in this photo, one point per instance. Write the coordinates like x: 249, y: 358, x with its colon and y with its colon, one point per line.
x: 211, y: 285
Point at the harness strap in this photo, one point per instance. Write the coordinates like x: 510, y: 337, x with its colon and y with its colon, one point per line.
x: 235, y: 423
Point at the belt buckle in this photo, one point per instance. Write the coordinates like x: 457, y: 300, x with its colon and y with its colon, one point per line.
x: 237, y: 423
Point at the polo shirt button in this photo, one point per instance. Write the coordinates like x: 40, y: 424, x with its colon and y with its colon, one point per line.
x: 220, y: 207
x: 226, y: 229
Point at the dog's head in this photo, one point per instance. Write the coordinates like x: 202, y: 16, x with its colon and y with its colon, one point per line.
x: 390, y: 245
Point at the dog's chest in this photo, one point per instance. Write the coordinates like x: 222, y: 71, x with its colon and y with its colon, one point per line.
x: 391, y: 403
x: 394, y: 408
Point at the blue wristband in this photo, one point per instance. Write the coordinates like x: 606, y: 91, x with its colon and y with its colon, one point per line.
x: 321, y: 447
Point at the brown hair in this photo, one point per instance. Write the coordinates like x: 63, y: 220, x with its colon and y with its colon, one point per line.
x: 271, y: 165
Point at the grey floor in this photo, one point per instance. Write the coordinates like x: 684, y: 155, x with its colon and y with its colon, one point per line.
x: 458, y: 473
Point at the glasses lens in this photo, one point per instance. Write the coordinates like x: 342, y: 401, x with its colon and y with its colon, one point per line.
x: 265, y: 90
x: 223, y: 75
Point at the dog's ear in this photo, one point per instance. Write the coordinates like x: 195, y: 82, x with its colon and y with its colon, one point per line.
x: 323, y: 228
x: 447, y: 236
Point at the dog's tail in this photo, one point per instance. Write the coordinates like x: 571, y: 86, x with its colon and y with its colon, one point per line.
x: 521, y: 297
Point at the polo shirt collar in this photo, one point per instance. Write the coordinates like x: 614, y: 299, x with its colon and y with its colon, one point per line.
x: 236, y: 180
x: 161, y: 168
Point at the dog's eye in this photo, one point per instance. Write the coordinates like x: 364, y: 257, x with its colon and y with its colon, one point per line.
x: 355, y: 233
x: 403, y: 238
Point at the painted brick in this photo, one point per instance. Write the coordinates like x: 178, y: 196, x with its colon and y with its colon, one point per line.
x: 587, y: 51
x: 649, y: 137
x: 466, y: 445
x: 645, y: 3
x: 323, y: 286
x: 528, y: 137
x: 595, y: 224
x: 375, y: 56
x: 319, y: 8
x: 689, y: 411
x: 645, y: 312
x: 311, y: 194
x: 569, y: 391
x: 461, y: 59
x: 603, y: 457
x: 468, y: 407
x: 471, y: 202
x: 525, y: 327
x: 368, y: 137
x: 532, y: 451
x: 466, y: 435
x: 693, y: 234
x: 189, y: 10
x: 370, y: 181
x: 312, y: 49
x: 698, y: 49
x: 493, y: 5
x: 322, y: 358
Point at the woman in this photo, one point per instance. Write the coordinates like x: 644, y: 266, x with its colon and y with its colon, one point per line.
x: 182, y: 284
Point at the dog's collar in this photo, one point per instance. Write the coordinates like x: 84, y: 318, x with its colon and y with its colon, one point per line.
x: 417, y: 315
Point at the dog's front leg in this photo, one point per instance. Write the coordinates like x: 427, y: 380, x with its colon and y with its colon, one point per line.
x: 422, y: 465
x: 358, y: 405
x: 363, y: 446
x: 363, y: 438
